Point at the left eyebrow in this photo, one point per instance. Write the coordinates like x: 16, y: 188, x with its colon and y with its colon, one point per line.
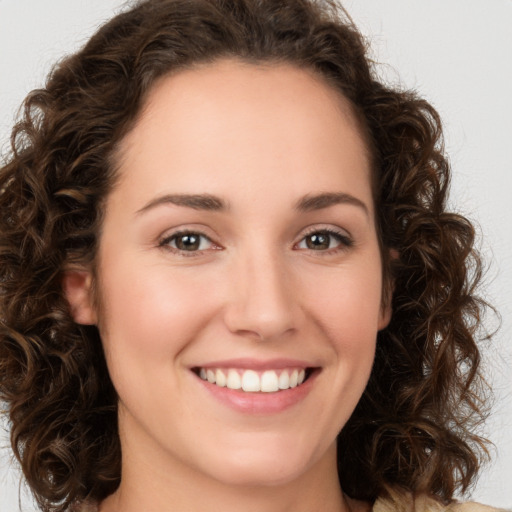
x: 310, y: 202
x: 194, y: 201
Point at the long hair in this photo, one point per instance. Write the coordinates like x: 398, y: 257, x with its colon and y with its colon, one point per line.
x: 414, y: 427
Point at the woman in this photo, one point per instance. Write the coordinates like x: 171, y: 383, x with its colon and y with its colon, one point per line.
x: 229, y: 277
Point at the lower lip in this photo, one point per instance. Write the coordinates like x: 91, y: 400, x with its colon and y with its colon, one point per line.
x: 260, y: 403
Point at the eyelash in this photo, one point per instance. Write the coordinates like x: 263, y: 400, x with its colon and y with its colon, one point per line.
x: 345, y: 242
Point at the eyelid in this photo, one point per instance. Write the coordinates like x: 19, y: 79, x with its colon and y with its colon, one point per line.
x: 326, y: 228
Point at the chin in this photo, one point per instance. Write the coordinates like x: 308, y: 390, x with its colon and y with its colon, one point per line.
x: 259, y: 467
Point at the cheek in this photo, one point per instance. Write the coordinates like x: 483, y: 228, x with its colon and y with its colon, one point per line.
x: 349, y: 304
x: 348, y: 312
x: 150, y: 313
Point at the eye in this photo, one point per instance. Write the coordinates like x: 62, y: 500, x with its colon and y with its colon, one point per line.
x: 187, y: 241
x: 325, y: 240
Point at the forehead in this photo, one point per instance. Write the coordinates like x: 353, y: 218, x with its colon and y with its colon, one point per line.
x: 229, y: 119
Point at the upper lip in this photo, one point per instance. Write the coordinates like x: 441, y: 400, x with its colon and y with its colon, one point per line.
x: 257, y: 364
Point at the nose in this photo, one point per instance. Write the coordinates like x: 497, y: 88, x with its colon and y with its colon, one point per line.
x: 263, y: 302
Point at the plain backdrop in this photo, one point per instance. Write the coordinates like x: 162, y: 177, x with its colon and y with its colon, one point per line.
x: 456, y: 53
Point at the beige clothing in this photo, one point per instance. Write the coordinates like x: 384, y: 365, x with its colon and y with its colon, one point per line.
x: 425, y: 504
x: 421, y: 504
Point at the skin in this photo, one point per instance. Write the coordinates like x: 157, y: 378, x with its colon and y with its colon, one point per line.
x: 260, y: 138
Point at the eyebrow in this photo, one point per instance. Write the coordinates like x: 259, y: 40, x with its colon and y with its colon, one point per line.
x: 310, y: 203
x: 208, y: 202
x: 195, y: 201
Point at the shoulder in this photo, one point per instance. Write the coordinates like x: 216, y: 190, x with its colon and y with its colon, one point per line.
x: 424, y: 503
x: 474, y: 507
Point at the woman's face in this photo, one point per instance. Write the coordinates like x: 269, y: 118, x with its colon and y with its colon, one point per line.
x: 239, y: 245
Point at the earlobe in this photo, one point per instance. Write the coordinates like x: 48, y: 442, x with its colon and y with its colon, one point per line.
x: 77, y: 288
x: 385, y: 315
x: 386, y: 310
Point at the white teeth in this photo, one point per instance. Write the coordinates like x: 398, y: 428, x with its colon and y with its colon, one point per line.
x: 269, y: 382
x: 220, y: 378
x: 293, y: 378
x: 234, y: 380
x: 210, y: 375
x: 284, y: 380
x: 250, y: 381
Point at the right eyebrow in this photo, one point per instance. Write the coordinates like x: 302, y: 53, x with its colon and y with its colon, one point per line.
x: 206, y: 202
x: 325, y: 200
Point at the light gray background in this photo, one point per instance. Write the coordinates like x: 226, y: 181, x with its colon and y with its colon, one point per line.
x: 457, y: 53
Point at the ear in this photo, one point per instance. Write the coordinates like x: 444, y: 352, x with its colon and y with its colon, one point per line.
x: 385, y: 313
x: 77, y: 287
x: 386, y: 310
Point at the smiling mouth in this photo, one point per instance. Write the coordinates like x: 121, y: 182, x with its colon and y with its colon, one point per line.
x: 251, y: 381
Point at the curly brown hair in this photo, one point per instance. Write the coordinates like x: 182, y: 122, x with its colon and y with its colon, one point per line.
x: 414, y: 427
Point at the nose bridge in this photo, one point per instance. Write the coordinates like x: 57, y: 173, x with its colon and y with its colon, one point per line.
x: 262, y: 300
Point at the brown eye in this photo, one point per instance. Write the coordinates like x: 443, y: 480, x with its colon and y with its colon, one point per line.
x: 188, y: 242
x: 324, y: 240
x: 318, y: 241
